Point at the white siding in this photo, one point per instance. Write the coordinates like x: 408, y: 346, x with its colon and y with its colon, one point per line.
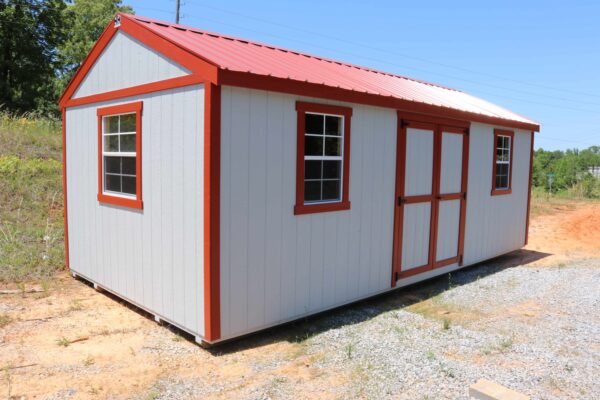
x: 276, y: 266
x: 127, y: 62
x: 154, y: 257
x: 495, y: 224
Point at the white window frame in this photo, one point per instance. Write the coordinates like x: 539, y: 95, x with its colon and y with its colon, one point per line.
x: 132, y: 154
x: 327, y: 158
x: 503, y: 162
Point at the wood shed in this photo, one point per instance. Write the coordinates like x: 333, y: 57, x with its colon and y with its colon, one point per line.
x: 227, y: 186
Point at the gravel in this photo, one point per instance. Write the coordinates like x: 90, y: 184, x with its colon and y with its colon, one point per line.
x: 535, y: 330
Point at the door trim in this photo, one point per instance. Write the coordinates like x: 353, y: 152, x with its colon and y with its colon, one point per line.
x: 438, y: 125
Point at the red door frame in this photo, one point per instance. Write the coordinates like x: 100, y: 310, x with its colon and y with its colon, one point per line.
x: 437, y: 125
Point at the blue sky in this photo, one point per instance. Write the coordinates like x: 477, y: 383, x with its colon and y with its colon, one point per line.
x: 537, y: 58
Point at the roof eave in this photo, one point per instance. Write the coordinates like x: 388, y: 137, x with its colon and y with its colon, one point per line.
x: 291, y: 86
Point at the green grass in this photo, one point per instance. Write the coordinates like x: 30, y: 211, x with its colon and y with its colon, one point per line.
x: 31, y: 199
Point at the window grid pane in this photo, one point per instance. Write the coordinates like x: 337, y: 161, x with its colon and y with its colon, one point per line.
x: 119, y: 147
x: 323, y: 157
x: 502, y: 162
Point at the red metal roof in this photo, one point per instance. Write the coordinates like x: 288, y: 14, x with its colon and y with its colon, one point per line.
x: 233, y: 54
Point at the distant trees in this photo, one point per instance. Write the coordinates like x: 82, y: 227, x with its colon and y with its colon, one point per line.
x: 569, y: 169
x: 30, y: 33
x: 42, y: 43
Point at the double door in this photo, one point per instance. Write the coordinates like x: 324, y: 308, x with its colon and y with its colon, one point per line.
x: 431, y: 193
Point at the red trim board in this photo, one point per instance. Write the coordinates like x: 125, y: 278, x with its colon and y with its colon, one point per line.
x: 146, y: 88
x: 212, y: 185
x: 135, y: 107
x: 64, y: 183
x: 531, y: 153
x: 300, y: 208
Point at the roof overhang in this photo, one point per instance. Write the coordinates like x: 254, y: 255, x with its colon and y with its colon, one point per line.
x: 205, y: 70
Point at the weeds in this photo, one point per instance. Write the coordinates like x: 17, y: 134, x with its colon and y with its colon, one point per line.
x: 76, y: 305
x: 89, y: 361
x: 5, y: 319
x: 63, y: 342
x: 31, y: 219
x: 349, y: 350
x: 446, y: 324
x: 505, y: 344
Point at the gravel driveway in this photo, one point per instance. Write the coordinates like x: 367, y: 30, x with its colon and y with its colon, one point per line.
x: 533, y: 330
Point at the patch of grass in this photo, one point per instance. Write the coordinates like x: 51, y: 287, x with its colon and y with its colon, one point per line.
x: 5, y: 319
x: 446, y: 324
x: 76, y: 305
x: 505, y: 344
x: 349, y: 350
x: 569, y: 368
x: 430, y: 355
x: 63, y: 342
x: 31, y: 199
x: 89, y: 360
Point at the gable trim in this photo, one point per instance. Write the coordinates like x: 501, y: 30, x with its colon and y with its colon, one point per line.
x: 197, y: 65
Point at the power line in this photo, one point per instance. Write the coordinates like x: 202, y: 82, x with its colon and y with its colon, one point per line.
x: 559, y: 106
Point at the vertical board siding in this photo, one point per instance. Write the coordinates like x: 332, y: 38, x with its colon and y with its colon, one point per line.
x: 495, y: 224
x: 275, y: 265
x: 127, y: 62
x: 152, y: 257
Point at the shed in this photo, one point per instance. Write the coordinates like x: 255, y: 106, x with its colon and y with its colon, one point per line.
x: 227, y: 186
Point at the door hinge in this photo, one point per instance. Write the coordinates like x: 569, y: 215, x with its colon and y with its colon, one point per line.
x: 396, y: 275
x: 464, y: 195
x: 460, y: 260
x: 401, y: 201
x: 467, y: 131
x: 403, y: 123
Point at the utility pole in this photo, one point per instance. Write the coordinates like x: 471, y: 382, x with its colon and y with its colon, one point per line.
x: 177, y: 12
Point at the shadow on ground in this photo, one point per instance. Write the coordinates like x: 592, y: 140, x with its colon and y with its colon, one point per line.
x: 355, y: 313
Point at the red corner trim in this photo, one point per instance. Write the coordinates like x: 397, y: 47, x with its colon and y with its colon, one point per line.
x: 64, y: 182
x: 502, y: 132
x: 300, y: 208
x: 531, y: 153
x: 116, y: 200
x: 212, y: 180
x: 195, y: 63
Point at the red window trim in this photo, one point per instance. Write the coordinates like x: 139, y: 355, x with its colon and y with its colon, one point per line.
x: 116, y: 200
x: 502, y: 132
x: 300, y: 208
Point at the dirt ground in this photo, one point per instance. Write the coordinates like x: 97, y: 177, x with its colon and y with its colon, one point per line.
x: 69, y: 341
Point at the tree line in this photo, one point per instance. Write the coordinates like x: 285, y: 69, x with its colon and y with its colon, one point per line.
x: 567, y: 171
x: 42, y: 43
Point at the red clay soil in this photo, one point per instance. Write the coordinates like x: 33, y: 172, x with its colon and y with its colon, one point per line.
x: 571, y: 233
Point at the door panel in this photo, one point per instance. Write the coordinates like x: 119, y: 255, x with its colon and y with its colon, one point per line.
x: 451, y: 168
x: 416, y: 230
x: 419, y: 162
x: 448, y: 224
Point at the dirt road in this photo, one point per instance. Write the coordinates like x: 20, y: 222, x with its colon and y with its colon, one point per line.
x: 70, y: 341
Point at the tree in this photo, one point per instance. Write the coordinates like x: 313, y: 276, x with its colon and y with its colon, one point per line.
x: 87, y: 20
x: 30, y: 32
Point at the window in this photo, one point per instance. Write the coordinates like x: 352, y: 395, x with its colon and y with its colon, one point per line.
x: 323, y: 159
x: 502, y: 168
x: 119, y: 155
